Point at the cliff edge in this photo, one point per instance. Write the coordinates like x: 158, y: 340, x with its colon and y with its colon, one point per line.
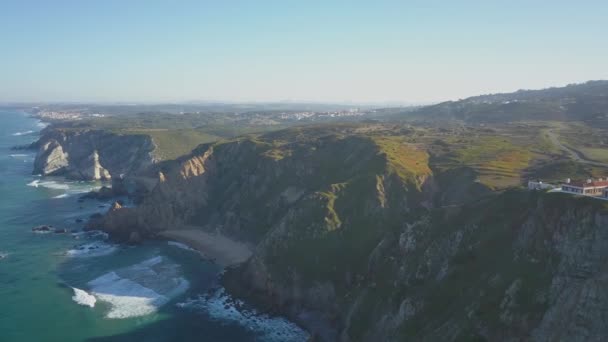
x: 91, y: 154
x: 353, y: 239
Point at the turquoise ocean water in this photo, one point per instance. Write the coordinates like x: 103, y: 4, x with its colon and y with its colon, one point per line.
x: 80, y: 287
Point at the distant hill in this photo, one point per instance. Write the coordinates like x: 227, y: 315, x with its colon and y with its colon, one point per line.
x: 576, y: 102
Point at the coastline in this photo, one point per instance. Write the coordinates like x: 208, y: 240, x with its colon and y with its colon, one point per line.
x: 218, y: 248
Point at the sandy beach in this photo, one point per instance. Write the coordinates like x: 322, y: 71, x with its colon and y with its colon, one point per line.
x: 219, y: 248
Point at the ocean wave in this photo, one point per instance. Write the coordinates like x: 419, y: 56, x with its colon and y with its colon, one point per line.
x: 221, y: 307
x: 19, y: 155
x: 69, y: 188
x: 42, y: 231
x: 22, y: 133
x: 3, y: 255
x: 91, y: 234
x: 92, y: 249
x: 181, y: 246
x: 140, y: 289
x: 83, y: 298
x: 48, y: 184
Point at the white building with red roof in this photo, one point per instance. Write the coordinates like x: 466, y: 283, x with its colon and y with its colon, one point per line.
x: 589, y: 187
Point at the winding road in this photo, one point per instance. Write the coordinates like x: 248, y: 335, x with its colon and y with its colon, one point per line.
x: 574, y: 154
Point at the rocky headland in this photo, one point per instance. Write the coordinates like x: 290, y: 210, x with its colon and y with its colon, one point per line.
x: 86, y: 154
x: 364, y: 237
x: 360, y: 237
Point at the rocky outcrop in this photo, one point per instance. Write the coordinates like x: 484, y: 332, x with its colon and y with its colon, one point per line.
x: 51, y: 158
x: 91, y: 154
x: 290, y: 201
x: 92, y: 169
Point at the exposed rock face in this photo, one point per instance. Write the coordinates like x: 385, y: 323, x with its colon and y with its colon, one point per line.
x: 273, y: 197
x: 578, y: 291
x: 50, y: 158
x: 350, y: 242
x: 92, y: 169
x: 91, y: 154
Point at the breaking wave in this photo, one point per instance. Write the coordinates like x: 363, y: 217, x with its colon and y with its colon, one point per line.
x: 221, y: 307
x: 22, y: 133
x: 92, y: 249
x: 69, y: 188
x: 140, y: 289
x: 48, y: 184
x: 83, y: 297
x: 91, y: 234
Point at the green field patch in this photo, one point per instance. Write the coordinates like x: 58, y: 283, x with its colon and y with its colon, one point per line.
x: 171, y: 144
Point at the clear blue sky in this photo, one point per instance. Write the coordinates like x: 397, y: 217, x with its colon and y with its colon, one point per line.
x: 360, y: 51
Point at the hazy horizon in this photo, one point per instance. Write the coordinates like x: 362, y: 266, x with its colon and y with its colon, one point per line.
x: 381, y: 53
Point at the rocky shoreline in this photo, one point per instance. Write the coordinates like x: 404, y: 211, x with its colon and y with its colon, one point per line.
x: 351, y: 246
x: 91, y: 154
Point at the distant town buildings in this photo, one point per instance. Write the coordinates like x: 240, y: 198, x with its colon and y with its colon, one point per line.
x: 321, y: 115
x: 66, y: 115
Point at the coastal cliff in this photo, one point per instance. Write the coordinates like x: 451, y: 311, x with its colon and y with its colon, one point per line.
x: 352, y: 238
x: 91, y: 154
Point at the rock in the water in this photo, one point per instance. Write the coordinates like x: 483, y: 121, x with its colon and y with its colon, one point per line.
x: 42, y: 229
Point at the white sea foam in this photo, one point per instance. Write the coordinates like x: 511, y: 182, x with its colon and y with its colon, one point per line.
x: 92, y: 249
x: 98, y: 234
x: 220, y: 307
x: 68, y: 188
x: 127, y: 298
x: 3, y: 255
x: 22, y: 133
x: 48, y: 184
x: 140, y: 289
x: 41, y: 124
x: 18, y: 155
x: 92, y: 234
x: 42, y: 231
x: 83, y: 297
x: 181, y: 245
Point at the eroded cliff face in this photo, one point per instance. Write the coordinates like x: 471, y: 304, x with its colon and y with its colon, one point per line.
x: 513, y: 266
x: 357, y: 241
x: 91, y: 154
x: 311, y: 207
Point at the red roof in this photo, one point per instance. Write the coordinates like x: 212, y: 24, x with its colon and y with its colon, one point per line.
x: 584, y: 184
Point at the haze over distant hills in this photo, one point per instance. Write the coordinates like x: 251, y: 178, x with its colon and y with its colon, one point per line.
x: 584, y: 102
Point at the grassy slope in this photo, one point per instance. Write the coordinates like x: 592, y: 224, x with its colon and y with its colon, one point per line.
x: 171, y: 144
x: 174, y: 135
